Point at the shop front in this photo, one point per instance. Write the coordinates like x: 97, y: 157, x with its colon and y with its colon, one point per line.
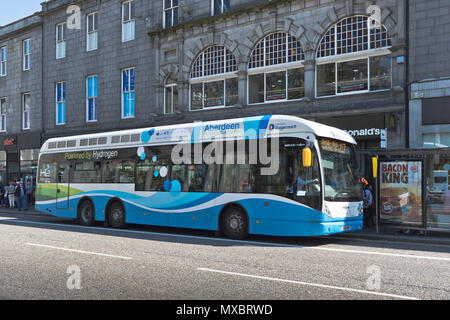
x: 19, y: 158
x: 414, y: 189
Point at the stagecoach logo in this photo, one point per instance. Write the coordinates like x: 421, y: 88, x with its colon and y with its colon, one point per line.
x: 281, y: 127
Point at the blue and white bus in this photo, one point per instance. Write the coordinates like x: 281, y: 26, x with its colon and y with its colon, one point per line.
x: 146, y: 176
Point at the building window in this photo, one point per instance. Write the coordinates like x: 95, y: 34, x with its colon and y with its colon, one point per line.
x: 26, y: 49
x: 219, y: 6
x: 91, y: 98
x: 353, y: 57
x: 61, y: 103
x: 276, y: 70
x: 436, y: 140
x: 92, y: 31
x: 60, y: 41
x: 214, y: 81
x: 171, y: 95
x: 128, y: 22
x: 3, y: 114
x: 26, y: 109
x: 170, y: 17
x: 3, y: 59
x: 128, y: 93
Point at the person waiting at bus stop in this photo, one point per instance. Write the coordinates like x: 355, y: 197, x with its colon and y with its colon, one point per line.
x: 367, y: 204
x: 20, y: 193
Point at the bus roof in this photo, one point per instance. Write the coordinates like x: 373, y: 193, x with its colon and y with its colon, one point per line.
x: 259, y: 126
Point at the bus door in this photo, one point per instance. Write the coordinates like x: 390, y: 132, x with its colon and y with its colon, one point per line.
x: 63, y: 186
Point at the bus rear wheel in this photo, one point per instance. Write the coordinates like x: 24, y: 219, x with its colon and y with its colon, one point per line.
x: 116, y: 215
x: 235, y: 223
x: 86, y: 213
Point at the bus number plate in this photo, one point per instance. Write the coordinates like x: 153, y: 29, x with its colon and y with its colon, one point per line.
x: 346, y: 228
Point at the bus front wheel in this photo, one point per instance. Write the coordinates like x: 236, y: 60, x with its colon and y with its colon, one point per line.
x: 235, y: 223
x: 116, y: 215
x: 86, y: 213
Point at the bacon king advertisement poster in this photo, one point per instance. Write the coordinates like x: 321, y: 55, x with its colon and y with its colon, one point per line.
x: 401, y: 192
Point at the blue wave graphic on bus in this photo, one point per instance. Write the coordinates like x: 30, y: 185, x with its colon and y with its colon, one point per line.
x: 270, y: 214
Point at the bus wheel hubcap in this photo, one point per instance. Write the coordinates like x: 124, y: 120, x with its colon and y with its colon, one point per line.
x: 117, y: 214
x: 235, y: 223
x: 86, y: 214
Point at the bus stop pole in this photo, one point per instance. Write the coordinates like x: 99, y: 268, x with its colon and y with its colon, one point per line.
x: 375, y: 175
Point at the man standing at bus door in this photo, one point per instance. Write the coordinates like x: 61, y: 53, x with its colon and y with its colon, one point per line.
x: 29, y: 189
x: 367, y: 204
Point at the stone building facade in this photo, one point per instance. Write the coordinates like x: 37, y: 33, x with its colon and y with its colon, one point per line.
x: 429, y: 100
x: 111, y: 64
x: 20, y: 98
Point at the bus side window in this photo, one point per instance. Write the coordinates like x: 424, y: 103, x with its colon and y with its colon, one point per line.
x: 126, y: 172
x: 110, y: 174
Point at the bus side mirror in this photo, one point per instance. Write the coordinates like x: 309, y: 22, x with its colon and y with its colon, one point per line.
x: 307, y: 157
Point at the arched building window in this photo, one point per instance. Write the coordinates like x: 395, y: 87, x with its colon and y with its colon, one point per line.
x: 170, y: 94
x: 214, y: 81
x: 275, y: 70
x: 353, y: 57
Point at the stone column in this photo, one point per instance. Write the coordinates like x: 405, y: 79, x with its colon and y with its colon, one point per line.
x: 310, y: 78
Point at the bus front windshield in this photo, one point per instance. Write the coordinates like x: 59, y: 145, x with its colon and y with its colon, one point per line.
x: 340, y: 171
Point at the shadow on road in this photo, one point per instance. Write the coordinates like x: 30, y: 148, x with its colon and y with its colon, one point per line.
x: 201, y: 237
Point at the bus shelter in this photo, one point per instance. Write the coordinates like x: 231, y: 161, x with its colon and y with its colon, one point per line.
x: 412, y: 189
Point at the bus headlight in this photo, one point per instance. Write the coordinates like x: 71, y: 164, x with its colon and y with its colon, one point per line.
x: 327, y: 211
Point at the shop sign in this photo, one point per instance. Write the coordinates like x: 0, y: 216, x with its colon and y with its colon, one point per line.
x: 367, y: 132
x: 383, y: 139
x: 9, y: 142
x: 401, y: 192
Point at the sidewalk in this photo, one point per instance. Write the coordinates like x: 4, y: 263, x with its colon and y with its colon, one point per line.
x: 385, y: 233
x: 31, y: 211
x: 395, y: 234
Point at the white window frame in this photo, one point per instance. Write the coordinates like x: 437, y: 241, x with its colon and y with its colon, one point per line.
x: 346, y: 58
x: 170, y: 86
x: 130, y: 22
x: 282, y: 67
x: 26, y: 111
x: 221, y: 11
x: 285, y: 67
x: 353, y: 56
x: 3, y: 61
x: 3, y: 111
x: 127, y: 91
x: 172, y: 9
x: 93, y: 32
x: 62, y: 101
x: 61, y: 42
x: 213, y: 78
x: 26, y: 55
x: 88, y: 98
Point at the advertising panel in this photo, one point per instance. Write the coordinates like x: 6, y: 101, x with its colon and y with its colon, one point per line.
x: 401, y: 192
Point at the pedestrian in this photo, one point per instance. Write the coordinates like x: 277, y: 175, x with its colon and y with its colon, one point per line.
x: 372, y: 208
x: 367, y: 204
x: 11, y: 193
x: 20, y: 193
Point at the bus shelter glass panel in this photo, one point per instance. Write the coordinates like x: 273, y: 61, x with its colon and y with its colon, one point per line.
x: 437, y: 193
x: 401, y: 192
